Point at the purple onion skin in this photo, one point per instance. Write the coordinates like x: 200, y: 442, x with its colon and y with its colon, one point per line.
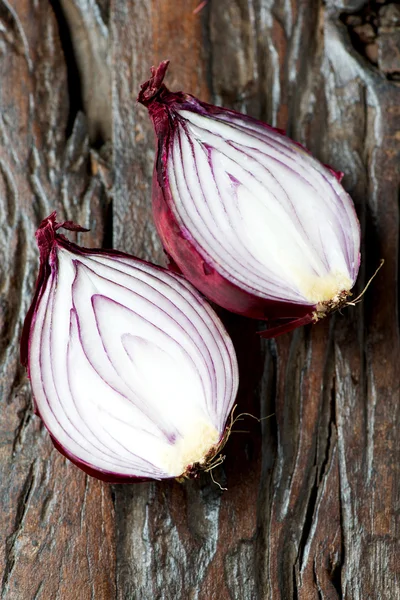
x: 48, y: 239
x: 105, y: 476
x: 178, y: 243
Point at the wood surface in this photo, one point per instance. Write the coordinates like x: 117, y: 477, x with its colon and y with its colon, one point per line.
x: 312, y: 507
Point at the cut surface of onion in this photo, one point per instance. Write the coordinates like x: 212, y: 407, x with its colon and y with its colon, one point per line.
x: 248, y: 215
x: 131, y: 370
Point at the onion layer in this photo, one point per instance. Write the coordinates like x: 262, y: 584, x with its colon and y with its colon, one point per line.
x: 248, y: 215
x: 132, y: 372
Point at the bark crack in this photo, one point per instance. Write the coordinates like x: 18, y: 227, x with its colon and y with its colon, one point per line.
x: 73, y: 77
x: 25, y: 415
x: 85, y: 39
x: 22, y: 509
x: 322, y: 467
x: 38, y: 591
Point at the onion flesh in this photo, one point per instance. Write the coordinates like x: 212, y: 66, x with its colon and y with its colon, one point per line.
x: 249, y: 216
x: 131, y: 370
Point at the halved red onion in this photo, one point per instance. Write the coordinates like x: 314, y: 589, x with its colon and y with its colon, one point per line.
x: 248, y: 215
x: 132, y: 372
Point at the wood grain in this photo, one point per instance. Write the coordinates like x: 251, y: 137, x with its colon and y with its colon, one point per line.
x: 312, y: 504
x: 56, y: 524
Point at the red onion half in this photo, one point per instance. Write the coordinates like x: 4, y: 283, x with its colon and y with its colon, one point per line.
x: 248, y: 215
x: 132, y: 372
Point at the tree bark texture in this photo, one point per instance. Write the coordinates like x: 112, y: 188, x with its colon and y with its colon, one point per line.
x: 312, y: 507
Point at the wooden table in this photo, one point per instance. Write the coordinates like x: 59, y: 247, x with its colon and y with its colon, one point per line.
x: 313, y: 491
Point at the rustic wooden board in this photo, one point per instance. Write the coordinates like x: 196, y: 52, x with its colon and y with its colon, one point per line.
x: 56, y: 524
x: 312, y: 504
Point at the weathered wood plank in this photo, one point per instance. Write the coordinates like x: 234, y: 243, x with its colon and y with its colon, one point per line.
x: 56, y: 524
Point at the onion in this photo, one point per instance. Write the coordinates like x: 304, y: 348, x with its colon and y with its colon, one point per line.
x: 248, y: 215
x: 132, y: 372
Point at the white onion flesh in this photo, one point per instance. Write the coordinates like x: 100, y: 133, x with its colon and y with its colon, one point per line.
x: 131, y: 370
x: 263, y: 211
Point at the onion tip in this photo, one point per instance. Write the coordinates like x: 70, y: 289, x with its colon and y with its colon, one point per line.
x: 149, y: 89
